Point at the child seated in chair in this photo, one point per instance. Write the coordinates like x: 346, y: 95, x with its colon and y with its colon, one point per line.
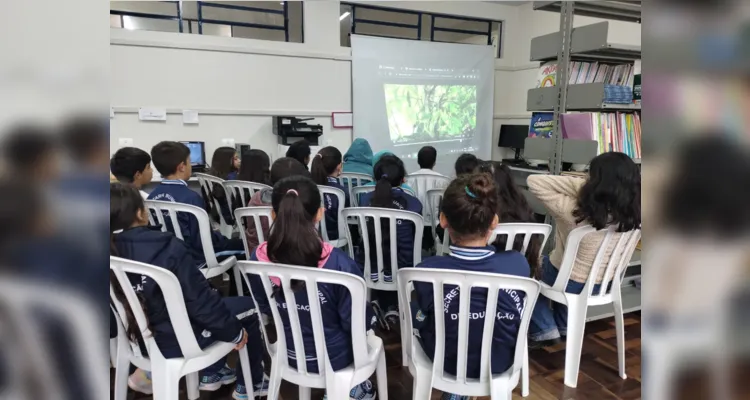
x: 212, y: 317
x: 326, y: 167
x: 389, y: 175
x: 468, y: 215
x: 172, y: 160
x: 294, y: 240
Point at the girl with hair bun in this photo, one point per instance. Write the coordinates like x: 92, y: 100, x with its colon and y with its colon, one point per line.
x: 468, y: 215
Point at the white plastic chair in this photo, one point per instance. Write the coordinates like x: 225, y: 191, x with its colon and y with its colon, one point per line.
x: 339, y: 194
x: 161, y: 209
x: 252, y: 215
x: 394, y: 217
x: 208, y: 182
x: 28, y: 305
x: 433, y: 198
x: 422, y: 183
x: 347, y: 178
x: 360, y: 190
x: 527, y: 230
x: 165, y: 373
x: 578, y: 304
x: 368, y: 353
x: 238, y: 190
x: 428, y: 374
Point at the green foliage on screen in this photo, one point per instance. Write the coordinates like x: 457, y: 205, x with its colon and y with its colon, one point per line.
x: 430, y: 112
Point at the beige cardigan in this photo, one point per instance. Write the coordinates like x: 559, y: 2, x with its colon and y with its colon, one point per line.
x: 559, y: 194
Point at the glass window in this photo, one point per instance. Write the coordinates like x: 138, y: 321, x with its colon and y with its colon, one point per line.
x: 406, y: 24
x: 265, y: 20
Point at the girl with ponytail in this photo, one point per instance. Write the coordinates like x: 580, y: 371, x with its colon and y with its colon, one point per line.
x: 469, y: 214
x: 326, y: 167
x: 133, y: 239
x: 389, y: 176
x: 294, y: 240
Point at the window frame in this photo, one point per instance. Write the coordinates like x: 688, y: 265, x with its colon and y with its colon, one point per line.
x: 418, y: 25
x: 200, y: 20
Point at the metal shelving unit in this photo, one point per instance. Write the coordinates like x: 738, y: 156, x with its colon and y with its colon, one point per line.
x: 585, y: 43
x: 620, y: 10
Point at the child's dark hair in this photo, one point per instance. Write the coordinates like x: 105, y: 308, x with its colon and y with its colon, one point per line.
x: 512, y: 207
x: 612, y: 193
x: 255, y: 167
x: 168, y: 156
x: 427, y: 157
x: 26, y: 145
x: 222, y: 162
x: 325, y: 163
x: 286, y: 167
x: 127, y: 162
x: 124, y: 203
x: 466, y: 164
x: 470, y: 205
x: 84, y: 135
x: 389, y: 172
x: 294, y: 239
x: 300, y: 151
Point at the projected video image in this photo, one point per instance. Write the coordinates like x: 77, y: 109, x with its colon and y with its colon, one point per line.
x: 428, y: 113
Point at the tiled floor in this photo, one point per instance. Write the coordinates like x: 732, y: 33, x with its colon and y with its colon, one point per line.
x: 598, y: 378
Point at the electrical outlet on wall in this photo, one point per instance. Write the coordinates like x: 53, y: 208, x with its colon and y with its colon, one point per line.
x: 125, y: 142
x: 227, y: 142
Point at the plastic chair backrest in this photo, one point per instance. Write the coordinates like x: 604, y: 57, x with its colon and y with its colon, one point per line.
x: 350, y: 180
x: 173, y: 298
x: 162, y: 209
x: 394, y: 217
x: 28, y: 305
x: 615, y: 268
x: 526, y: 230
x: 422, y: 183
x: 433, y: 198
x: 360, y: 190
x: 242, y: 190
x: 465, y: 281
x: 311, y: 277
x: 208, y: 182
x: 332, y: 191
x: 241, y: 215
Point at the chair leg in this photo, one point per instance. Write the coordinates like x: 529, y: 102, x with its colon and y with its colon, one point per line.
x: 305, y: 393
x: 525, y: 373
x: 165, y: 381
x: 238, y: 279
x: 339, y: 384
x: 113, y: 352
x: 122, y: 368
x: 246, y: 372
x: 576, y: 328
x: 501, y: 390
x: 422, y: 384
x: 382, y: 374
x: 620, y: 329
x: 274, y: 384
x: 191, y: 383
x: 405, y: 340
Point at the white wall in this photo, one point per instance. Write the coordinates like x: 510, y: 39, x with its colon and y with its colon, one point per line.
x: 238, y: 84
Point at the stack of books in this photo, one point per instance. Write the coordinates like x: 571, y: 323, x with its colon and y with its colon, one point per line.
x: 588, y: 72
x: 613, y: 131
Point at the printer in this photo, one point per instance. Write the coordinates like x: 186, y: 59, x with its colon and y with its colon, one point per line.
x: 292, y: 129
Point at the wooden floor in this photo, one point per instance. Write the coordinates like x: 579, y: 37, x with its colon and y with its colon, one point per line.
x: 598, y: 378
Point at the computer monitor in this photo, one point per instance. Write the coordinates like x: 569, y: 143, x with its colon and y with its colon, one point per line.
x: 197, y: 153
x: 514, y: 137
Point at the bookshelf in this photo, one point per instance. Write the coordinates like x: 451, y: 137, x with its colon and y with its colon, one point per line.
x: 588, y: 43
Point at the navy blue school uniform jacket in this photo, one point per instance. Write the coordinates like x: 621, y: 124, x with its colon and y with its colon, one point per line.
x: 335, y: 307
x: 509, y: 307
x: 404, y: 233
x: 177, y: 191
x: 331, y: 204
x: 208, y: 315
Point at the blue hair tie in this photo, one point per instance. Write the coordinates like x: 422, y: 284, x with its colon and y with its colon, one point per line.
x: 472, y: 195
x: 384, y: 176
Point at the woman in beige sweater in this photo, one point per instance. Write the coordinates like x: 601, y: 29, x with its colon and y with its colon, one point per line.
x: 610, y: 196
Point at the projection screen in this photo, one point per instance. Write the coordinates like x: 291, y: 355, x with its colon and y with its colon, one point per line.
x: 410, y: 93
